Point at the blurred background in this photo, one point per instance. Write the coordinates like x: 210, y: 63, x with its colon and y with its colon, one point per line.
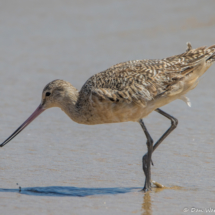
x: 71, y: 40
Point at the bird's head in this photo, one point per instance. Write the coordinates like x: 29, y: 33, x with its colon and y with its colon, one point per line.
x: 54, y: 93
x: 52, y: 96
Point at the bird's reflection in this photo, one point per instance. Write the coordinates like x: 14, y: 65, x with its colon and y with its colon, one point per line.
x: 147, y: 204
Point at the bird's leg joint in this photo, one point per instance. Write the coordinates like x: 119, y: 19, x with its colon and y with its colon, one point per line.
x: 149, y: 144
x: 174, y: 122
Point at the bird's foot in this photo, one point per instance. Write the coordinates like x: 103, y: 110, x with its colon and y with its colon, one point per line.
x: 158, y: 185
x: 147, y: 187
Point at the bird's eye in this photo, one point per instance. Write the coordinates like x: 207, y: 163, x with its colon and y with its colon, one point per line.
x: 48, y: 94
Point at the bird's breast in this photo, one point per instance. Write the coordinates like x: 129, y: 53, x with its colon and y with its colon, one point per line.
x: 96, y: 112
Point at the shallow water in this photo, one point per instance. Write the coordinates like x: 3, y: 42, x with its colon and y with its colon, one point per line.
x: 66, y: 168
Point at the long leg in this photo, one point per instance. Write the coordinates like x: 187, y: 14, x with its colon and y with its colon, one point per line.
x: 147, y: 157
x: 174, y: 123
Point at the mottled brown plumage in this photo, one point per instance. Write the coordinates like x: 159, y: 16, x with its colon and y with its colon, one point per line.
x: 129, y: 92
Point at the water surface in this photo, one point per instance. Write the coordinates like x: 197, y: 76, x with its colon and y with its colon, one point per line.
x: 66, y: 168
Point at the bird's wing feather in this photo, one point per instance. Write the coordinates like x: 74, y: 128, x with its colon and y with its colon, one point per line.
x: 143, y: 80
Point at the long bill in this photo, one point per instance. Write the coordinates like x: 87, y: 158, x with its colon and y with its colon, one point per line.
x: 36, y: 113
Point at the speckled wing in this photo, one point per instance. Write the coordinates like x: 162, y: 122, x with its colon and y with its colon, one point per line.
x: 143, y: 80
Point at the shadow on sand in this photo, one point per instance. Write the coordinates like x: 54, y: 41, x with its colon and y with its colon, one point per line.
x: 70, y: 191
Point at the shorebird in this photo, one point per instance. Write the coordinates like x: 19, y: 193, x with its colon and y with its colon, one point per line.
x: 129, y: 91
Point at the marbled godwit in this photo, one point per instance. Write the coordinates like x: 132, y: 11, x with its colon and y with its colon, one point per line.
x: 129, y: 92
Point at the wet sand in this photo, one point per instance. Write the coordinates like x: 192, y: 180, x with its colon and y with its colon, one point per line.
x: 66, y: 168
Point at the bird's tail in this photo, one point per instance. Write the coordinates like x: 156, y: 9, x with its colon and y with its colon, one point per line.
x: 210, y: 54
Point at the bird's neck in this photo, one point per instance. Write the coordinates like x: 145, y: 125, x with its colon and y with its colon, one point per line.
x: 68, y: 105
